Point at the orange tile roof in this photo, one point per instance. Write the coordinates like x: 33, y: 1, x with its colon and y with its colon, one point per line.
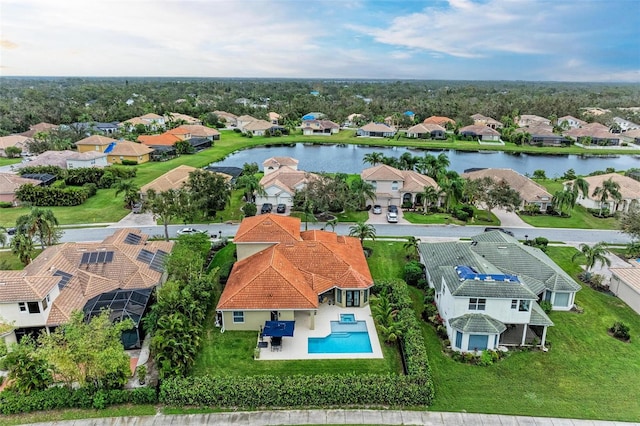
x: 165, y: 139
x: 129, y: 149
x: 381, y: 172
x: 441, y: 121
x: 267, y: 228
x: 96, y: 140
x: 10, y: 182
x: 292, y: 273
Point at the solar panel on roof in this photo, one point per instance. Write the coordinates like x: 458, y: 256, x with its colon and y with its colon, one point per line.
x: 133, y: 239
x: 93, y: 256
x: 157, y: 263
x: 85, y: 258
x: 145, y: 256
x: 109, y: 257
x: 64, y: 280
x: 101, y: 257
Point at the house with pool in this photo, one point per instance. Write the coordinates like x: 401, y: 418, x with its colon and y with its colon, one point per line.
x: 487, y: 290
x: 298, y: 279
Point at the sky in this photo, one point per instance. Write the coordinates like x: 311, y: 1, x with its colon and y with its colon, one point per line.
x: 532, y: 40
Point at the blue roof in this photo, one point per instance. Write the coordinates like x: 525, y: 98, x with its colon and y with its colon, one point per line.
x: 468, y: 273
x: 409, y: 113
x: 110, y: 147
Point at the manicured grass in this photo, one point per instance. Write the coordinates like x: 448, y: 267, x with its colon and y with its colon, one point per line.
x: 580, y: 218
x: 354, y: 217
x: 387, y: 259
x: 585, y: 374
x: 73, y: 414
x: 447, y: 218
x: 4, y: 161
x: 10, y: 261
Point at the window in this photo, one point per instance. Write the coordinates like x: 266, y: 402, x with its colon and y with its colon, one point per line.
x: 339, y: 295
x: 394, y: 185
x: 365, y: 297
x: 477, y: 304
x: 478, y: 342
x: 547, y: 296
x: 458, y: 340
x: 45, y: 303
x: 238, y: 317
x: 374, y: 184
x: 562, y: 299
x: 34, y: 307
x: 514, y: 303
x: 22, y: 306
x: 524, y: 305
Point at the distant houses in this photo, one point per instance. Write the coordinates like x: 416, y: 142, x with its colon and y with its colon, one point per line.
x: 376, y: 130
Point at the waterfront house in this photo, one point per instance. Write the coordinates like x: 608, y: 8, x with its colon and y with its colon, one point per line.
x: 319, y: 127
x: 398, y: 187
x: 482, y: 120
x: 427, y: 131
x: 376, y: 130
x: 480, y: 132
x: 629, y: 192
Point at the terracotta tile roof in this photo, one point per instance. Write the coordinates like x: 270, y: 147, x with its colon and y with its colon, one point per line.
x: 258, y: 125
x: 319, y: 124
x: 184, y: 117
x: 19, y: 141
x: 130, y: 149
x: 52, y: 158
x: 291, y: 275
x: 441, y: 121
x: 635, y: 133
x: 529, y: 119
x: 135, y: 121
x: 165, y: 139
x: 529, y: 190
x: 268, y: 228
x: 378, y: 128
x: 381, y: 172
x: 595, y: 130
x: 274, y: 116
x: 629, y: 188
x: 537, y: 130
x: 40, y: 127
x: 152, y: 116
x: 287, y: 179
x: 10, y: 182
x: 226, y: 115
x: 196, y: 131
x: 280, y: 161
x: 88, y: 155
x: 479, y: 129
x: 246, y: 118
x: 425, y: 128
x: 479, y: 118
x: 96, y: 140
x: 173, y: 179
x: 415, y: 182
x: 124, y: 271
x: 631, y: 276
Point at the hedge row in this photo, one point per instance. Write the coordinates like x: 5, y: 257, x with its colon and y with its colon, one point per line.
x: 61, y: 398
x: 297, y: 391
x: 48, y: 196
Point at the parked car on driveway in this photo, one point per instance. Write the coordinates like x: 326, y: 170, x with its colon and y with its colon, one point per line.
x: 266, y: 208
x: 281, y: 208
x: 392, y: 217
x: 137, y: 208
x: 393, y: 208
x: 190, y: 231
x: 377, y: 209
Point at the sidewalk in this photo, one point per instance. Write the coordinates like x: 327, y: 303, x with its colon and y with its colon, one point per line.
x: 336, y: 417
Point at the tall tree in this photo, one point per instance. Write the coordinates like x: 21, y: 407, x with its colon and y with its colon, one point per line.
x: 593, y: 255
x: 630, y: 222
x: 609, y: 189
x: 165, y: 206
x: 22, y: 246
x: 28, y: 370
x: 373, y: 158
x: 362, y: 230
x: 430, y: 196
x: 130, y: 190
x: 210, y: 192
x: 362, y: 192
x: 41, y: 224
x: 412, y: 246
x: 496, y: 194
x: 251, y: 186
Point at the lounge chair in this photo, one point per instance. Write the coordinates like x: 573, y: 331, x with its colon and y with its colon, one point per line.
x: 276, y: 343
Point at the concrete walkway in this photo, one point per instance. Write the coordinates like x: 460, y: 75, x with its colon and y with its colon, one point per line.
x: 337, y: 417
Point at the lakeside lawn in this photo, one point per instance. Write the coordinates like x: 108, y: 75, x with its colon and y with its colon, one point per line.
x: 585, y: 374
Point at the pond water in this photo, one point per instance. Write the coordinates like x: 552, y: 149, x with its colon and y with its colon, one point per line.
x: 348, y: 159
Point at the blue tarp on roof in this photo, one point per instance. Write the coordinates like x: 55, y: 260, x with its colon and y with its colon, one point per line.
x: 468, y: 273
x: 110, y: 147
x: 409, y: 113
x: 278, y: 328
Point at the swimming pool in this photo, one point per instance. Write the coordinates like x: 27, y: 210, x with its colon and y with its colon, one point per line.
x: 347, y: 318
x: 344, y: 339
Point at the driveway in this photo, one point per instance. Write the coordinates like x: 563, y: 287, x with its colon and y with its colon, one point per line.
x: 135, y: 220
x: 603, y: 269
x: 376, y: 219
x: 510, y: 219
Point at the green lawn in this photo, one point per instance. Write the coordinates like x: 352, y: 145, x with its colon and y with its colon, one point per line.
x: 585, y: 374
x: 387, y: 259
x: 447, y: 218
x: 75, y: 414
x: 580, y: 218
x: 9, y: 261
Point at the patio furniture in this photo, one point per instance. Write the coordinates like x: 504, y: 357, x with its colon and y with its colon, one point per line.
x: 276, y: 344
x: 263, y: 344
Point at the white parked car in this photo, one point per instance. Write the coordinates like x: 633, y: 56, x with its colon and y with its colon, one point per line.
x: 190, y: 231
x: 392, y: 217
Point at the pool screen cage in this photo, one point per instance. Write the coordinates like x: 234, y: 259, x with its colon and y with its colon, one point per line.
x: 122, y: 304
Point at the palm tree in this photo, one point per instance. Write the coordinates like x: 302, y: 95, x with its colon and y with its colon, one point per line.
x: 373, y: 158
x: 563, y: 199
x: 22, y: 246
x: 40, y: 223
x: 362, y: 230
x: 386, y: 318
x: 164, y: 206
x: 332, y: 223
x: 251, y: 186
x: 430, y: 195
x: 407, y: 161
x: 131, y: 192
x: 412, y: 246
x: 593, y: 254
x: 580, y: 186
x: 362, y: 191
x: 608, y: 189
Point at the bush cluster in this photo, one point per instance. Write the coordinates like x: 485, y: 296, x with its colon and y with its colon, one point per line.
x: 620, y: 330
x: 47, y: 196
x: 485, y: 358
x: 297, y: 391
x: 62, y: 398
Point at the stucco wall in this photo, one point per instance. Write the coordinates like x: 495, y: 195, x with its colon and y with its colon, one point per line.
x: 629, y: 294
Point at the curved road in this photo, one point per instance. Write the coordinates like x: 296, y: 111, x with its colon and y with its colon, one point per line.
x: 400, y: 230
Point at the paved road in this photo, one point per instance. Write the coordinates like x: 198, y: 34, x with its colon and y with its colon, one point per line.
x: 383, y: 229
x: 336, y: 417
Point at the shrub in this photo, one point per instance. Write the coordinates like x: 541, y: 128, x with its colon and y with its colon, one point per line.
x: 413, y: 271
x: 429, y: 295
x: 249, y: 209
x: 129, y: 163
x: 91, y: 188
x: 620, y: 330
x: 5, y: 204
x: 546, y: 306
x: 461, y: 214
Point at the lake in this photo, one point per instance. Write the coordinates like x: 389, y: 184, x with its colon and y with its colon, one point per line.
x: 348, y: 159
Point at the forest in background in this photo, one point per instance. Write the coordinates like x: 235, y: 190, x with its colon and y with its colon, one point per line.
x: 28, y: 101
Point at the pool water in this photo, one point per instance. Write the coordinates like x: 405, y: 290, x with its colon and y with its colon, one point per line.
x: 347, y: 318
x: 344, y: 339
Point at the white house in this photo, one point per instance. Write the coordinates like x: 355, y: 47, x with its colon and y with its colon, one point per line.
x: 87, y: 159
x: 625, y: 283
x: 629, y: 192
x: 570, y: 122
x: 319, y: 127
x: 487, y: 290
x: 394, y: 186
x: 281, y: 180
x: 481, y: 132
x: 376, y: 130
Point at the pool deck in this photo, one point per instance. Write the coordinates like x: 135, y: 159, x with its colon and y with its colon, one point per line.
x: 296, y: 347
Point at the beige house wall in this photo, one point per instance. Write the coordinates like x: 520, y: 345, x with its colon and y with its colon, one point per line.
x: 630, y: 295
x: 245, y: 250
x: 89, y: 148
x: 341, y: 297
x: 254, y: 320
x: 117, y: 159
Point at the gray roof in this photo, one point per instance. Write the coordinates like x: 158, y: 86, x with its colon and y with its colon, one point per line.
x: 538, y: 316
x: 494, y: 253
x: 477, y: 323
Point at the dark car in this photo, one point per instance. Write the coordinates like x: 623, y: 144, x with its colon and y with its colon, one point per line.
x: 392, y: 208
x: 266, y: 208
x: 495, y: 228
x: 11, y: 231
x: 281, y: 208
